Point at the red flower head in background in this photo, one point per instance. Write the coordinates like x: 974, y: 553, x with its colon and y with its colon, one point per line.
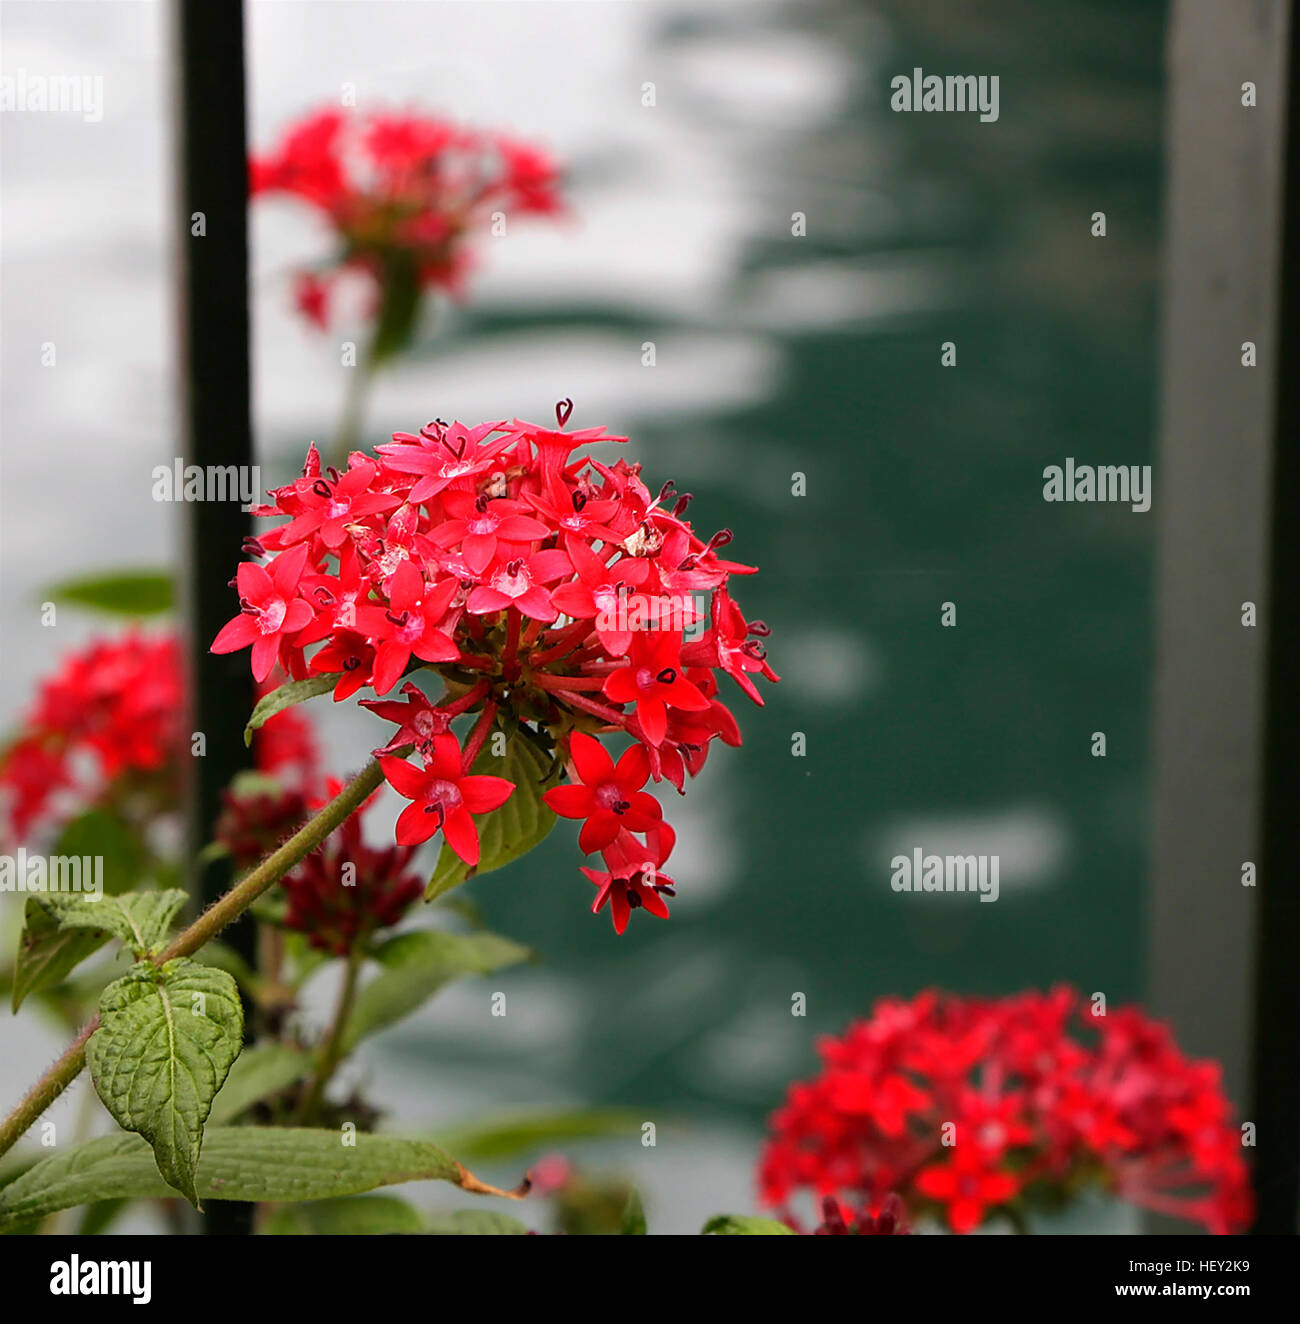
x: 560, y: 602
x: 110, y: 725
x: 405, y: 194
x: 972, y: 1109
x: 346, y: 890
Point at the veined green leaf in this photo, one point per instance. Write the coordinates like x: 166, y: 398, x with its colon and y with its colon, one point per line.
x: 348, y: 1216
x: 288, y: 694
x: 474, y: 1223
x: 742, y: 1225
x: 250, y: 1163
x: 122, y: 593
x: 166, y: 1039
x: 513, y: 1136
x: 139, y: 919
x: 508, y: 832
x: 261, y: 1071
x: 48, y: 953
x: 417, y: 965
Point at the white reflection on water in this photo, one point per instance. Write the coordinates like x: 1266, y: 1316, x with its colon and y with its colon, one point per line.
x: 1031, y: 841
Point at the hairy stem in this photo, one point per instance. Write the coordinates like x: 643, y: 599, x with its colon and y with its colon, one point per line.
x: 202, y: 931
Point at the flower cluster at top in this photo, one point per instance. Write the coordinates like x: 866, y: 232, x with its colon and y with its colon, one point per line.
x: 972, y: 1109
x: 403, y: 194
x: 559, y: 599
x: 109, y: 727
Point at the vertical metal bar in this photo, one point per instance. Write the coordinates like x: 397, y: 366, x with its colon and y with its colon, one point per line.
x: 1222, y: 255
x: 1275, y: 1069
x: 213, y: 259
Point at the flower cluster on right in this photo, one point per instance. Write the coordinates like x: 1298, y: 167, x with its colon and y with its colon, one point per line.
x: 973, y: 1110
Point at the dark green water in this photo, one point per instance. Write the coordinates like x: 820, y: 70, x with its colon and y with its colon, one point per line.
x: 923, y: 487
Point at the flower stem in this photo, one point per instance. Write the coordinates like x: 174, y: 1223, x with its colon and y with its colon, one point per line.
x: 201, y: 931
x: 352, y: 419
x: 332, y: 1053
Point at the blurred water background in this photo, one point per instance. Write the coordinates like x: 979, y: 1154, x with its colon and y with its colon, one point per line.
x: 775, y: 355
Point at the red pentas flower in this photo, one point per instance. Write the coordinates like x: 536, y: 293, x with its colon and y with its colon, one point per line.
x: 976, y: 1110
x: 405, y: 195
x: 606, y: 796
x: 565, y: 610
x: 443, y: 797
x: 109, y: 726
x: 631, y: 879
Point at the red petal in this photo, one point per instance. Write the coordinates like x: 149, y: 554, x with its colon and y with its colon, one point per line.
x: 482, y: 793
x: 570, y: 801
x: 462, y: 835
x: 592, y: 760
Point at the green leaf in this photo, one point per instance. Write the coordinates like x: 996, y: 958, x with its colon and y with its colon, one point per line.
x: 102, y: 835
x: 261, y: 1071
x: 741, y: 1225
x: 288, y: 694
x: 417, y: 965
x: 510, y: 831
x: 250, y: 1163
x: 349, y: 1216
x: 513, y: 1136
x: 633, y: 1223
x: 121, y: 593
x: 48, y: 953
x: 139, y: 919
x: 474, y: 1223
x: 166, y: 1039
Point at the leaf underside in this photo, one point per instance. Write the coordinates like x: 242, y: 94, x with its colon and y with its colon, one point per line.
x: 285, y: 696
x: 237, y: 1163
x: 742, y: 1225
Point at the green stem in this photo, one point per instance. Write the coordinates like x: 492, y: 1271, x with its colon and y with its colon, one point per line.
x: 202, y: 931
x: 332, y: 1052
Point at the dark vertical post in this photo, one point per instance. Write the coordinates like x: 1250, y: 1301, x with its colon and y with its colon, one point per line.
x: 1224, y: 964
x: 1275, y: 1070
x: 213, y: 259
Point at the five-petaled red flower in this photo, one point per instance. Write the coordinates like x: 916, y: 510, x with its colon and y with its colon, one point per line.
x: 443, y: 797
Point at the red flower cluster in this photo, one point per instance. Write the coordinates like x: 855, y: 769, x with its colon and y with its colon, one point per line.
x: 403, y: 194
x: 555, y: 595
x: 969, y: 1107
x: 345, y: 889
x: 111, y: 721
